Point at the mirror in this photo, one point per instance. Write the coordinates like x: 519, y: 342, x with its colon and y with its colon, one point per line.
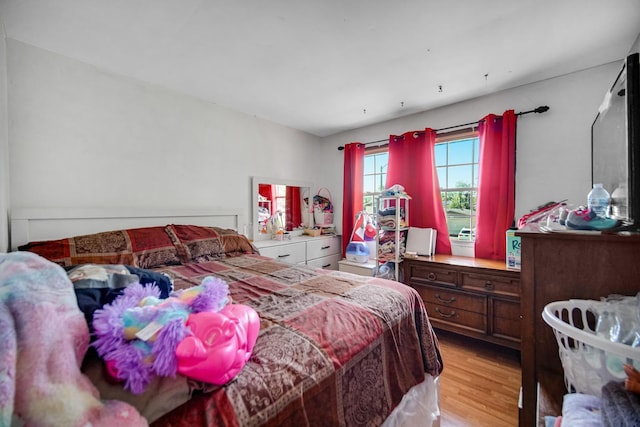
x: 286, y: 199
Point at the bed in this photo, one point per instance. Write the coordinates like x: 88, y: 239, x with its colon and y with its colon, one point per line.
x: 333, y: 348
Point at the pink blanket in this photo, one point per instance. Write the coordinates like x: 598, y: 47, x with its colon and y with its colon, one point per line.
x: 43, y: 339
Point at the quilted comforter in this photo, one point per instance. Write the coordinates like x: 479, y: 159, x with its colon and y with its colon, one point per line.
x: 334, y: 348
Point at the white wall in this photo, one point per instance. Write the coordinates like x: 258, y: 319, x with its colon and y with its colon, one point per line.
x: 636, y: 45
x: 82, y: 137
x: 553, y: 160
x: 4, y: 147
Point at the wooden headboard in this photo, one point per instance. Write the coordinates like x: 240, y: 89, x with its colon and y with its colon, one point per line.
x: 28, y: 225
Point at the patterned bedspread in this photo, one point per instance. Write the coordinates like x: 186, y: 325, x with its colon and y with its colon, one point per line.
x: 334, y: 348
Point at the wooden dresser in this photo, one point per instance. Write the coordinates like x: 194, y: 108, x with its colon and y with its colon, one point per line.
x: 558, y: 267
x: 470, y: 296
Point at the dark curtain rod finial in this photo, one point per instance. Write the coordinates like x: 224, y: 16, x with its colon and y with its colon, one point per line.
x: 541, y: 109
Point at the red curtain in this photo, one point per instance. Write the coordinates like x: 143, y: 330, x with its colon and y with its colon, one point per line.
x: 412, y: 165
x: 496, y: 184
x: 293, y: 215
x: 352, y: 189
x: 269, y: 192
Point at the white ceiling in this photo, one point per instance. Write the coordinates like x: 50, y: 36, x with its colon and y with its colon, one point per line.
x: 327, y: 66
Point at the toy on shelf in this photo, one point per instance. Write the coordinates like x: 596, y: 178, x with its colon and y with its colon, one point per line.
x: 359, y: 248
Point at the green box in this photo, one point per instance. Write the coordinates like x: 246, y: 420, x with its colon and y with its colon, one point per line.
x: 513, y: 250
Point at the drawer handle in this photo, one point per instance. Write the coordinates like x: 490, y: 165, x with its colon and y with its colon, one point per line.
x: 489, y: 286
x: 284, y: 256
x: 431, y: 277
x: 445, y: 301
x: 326, y: 266
x: 325, y: 247
x: 452, y: 314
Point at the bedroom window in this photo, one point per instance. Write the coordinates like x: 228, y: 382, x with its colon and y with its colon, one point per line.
x: 457, y: 165
x: 280, y: 198
x: 456, y: 156
x: 375, y: 176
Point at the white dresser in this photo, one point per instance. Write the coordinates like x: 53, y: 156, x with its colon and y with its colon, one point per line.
x: 322, y: 252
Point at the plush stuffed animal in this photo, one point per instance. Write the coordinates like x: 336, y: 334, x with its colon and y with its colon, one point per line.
x: 195, y: 332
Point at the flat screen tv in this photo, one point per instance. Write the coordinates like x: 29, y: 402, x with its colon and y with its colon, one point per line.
x: 615, y: 144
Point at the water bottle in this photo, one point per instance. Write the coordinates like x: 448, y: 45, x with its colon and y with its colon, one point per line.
x: 619, y: 202
x: 598, y: 200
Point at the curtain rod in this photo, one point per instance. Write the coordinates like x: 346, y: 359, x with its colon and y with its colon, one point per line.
x: 539, y: 110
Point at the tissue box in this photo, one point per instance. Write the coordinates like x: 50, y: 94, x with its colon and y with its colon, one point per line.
x: 513, y: 250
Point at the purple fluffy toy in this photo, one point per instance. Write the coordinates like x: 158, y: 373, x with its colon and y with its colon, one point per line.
x: 137, y: 334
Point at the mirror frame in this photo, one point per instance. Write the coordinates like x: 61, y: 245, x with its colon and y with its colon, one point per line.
x: 255, y: 180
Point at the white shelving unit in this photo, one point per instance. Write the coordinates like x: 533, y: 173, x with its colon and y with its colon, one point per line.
x: 400, y: 224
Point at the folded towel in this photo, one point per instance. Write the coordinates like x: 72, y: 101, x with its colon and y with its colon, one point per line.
x: 620, y: 408
x: 581, y: 410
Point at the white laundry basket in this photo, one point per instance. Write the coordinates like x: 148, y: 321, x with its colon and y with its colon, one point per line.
x: 588, y: 360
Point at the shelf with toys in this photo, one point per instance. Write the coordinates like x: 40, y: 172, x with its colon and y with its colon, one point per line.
x: 362, y: 244
x: 393, y: 224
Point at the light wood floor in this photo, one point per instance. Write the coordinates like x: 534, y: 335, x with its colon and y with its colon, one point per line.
x: 480, y: 383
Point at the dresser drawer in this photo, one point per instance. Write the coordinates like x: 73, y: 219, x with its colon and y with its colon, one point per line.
x: 293, y: 253
x: 426, y: 273
x: 321, y: 247
x: 506, y: 319
x: 452, y: 298
x: 448, y: 316
x: 328, y: 262
x: 495, y: 284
